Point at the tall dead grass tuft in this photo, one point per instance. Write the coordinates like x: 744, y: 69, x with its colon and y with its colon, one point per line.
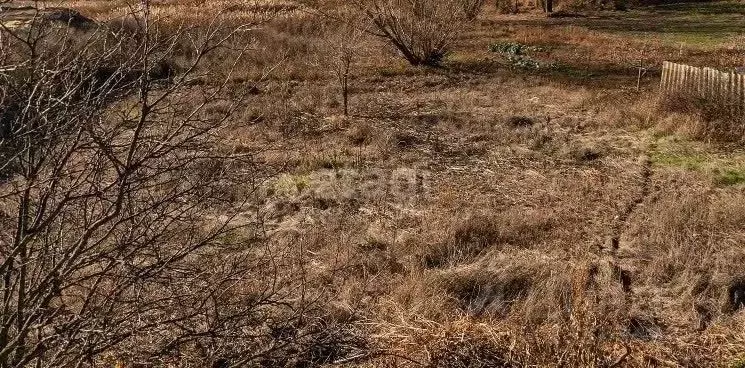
x: 536, y: 290
x: 528, y: 309
x: 692, y: 246
x: 493, y: 292
x: 712, y: 120
x: 468, y: 238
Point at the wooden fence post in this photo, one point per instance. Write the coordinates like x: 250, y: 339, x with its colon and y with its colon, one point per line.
x: 736, y: 93
x: 730, y: 94
x: 740, y: 94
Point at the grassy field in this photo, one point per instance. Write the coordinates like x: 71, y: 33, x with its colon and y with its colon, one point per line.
x: 541, y: 210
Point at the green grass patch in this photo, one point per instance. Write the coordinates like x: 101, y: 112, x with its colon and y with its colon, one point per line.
x: 729, y: 176
x: 739, y: 363
x: 724, y: 168
x: 701, y: 25
x: 516, y: 54
x: 684, y: 161
x: 704, y: 40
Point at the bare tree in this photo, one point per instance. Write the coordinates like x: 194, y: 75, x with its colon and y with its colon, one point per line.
x: 119, y: 232
x: 340, y: 48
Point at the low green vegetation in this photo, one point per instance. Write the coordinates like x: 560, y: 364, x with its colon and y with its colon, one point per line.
x: 739, y: 363
x: 513, y: 48
x: 700, y: 24
x: 724, y: 169
x: 516, y: 54
x: 730, y: 176
x: 692, y: 162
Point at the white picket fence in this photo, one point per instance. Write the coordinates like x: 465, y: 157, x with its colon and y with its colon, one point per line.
x: 725, y: 88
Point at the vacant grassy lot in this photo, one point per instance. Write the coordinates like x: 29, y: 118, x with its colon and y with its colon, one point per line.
x: 530, y: 208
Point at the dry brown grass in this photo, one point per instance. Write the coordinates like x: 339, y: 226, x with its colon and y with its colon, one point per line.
x: 179, y: 10
x: 706, y: 118
x: 506, y: 246
x: 481, y: 215
x: 690, y: 247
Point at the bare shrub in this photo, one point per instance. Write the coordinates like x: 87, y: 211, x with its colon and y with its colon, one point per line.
x: 472, y: 8
x: 421, y: 30
x: 120, y: 241
x: 507, y: 6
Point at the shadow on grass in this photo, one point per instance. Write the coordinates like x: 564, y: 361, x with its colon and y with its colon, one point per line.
x: 707, y: 19
x: 589, y: 75
x: 705, y: 8
x: 605, y: 76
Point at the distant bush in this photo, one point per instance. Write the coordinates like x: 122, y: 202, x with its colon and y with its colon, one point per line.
x: 471, y: 8
x: 421, y: 30
x: 507, y: 6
